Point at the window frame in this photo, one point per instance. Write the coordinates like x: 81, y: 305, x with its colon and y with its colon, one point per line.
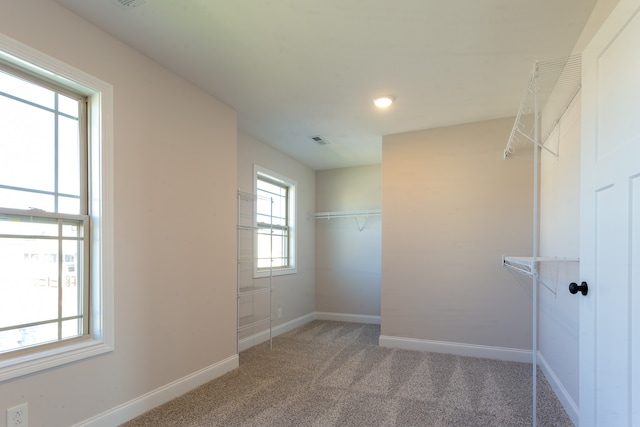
x: 99, y: 95
x: 291, y: 221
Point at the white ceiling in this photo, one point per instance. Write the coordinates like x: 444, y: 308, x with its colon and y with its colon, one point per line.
x: 299, y: 68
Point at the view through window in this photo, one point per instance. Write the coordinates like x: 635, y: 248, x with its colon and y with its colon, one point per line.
x: 43, y: 212
x: 273, y: 221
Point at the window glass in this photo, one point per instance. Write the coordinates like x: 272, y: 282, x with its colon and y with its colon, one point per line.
x: 274, y: 219
x: 43, y: 293
x: 14, y: 86
x: 68, y: 106
x: 27, y: 149
x: 68, y: 156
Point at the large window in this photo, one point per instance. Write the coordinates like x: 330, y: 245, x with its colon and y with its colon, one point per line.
x: 275, y: 219
x: 43, y: 213
x: 55, y: 294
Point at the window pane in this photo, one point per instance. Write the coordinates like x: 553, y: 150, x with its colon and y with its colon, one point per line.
x: 27, y: 336
x: 263, y: 206
x: 279, y: 221
x: 39, y: 284
x: 27, y: 155
x: 26, y: 90
x: 72, y: 228
x: 279, y: 245
x: 28, y: 226
x: 264, y: 249
x: 69, y: 205
x: 280, y: 262
x: 269, y: 187
x: 71, y: 291
x: 278, y: 211
x: 71, y: 328
x: 68, y: 106
x: 68, y: 156
x: 280, y: 206
x: 26, y: 200
x: 10, y: 340
x: 28, y: 273
x: 273, y: 246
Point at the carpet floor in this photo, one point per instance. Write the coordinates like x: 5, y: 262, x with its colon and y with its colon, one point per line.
x: 334, y: 374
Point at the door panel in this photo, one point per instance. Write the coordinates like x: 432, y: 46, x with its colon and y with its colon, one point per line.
x: 610, y: 223
x: 612, y: 314
x: 617, y: 100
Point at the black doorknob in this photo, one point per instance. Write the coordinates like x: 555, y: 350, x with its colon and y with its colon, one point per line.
x: 574, y: 288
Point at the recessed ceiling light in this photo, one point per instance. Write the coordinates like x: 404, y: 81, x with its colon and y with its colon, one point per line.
x: 383, y: 101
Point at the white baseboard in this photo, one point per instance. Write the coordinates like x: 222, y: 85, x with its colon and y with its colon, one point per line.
x: 253, y: 340
x: 154, y: 398
x: 488, y: 352
x: 458, y: 349
x: 561, y: 392
x: 262, y: 336
x: 150, y: 400
x: 292, y: 324
x: 345, y: 317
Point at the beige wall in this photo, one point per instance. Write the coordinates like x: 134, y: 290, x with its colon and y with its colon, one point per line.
x: 294, y: 293
x: 348, y: 260
x: 174, y: 209
x: 452, y: 207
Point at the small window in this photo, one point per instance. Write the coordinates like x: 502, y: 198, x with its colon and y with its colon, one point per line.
x: 54, y: 246
x: 275, y: 221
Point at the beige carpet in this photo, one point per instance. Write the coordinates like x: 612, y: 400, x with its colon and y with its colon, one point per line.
x: 334, y: 374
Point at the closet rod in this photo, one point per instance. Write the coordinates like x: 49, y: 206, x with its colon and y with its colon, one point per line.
x: 357, y: 215
x: 345, y: 214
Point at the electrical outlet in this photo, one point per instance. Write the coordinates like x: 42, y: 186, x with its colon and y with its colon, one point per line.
x: 279, y: 312
x: 18, y: 416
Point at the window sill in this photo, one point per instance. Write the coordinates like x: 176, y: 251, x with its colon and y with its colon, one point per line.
x: 29, y: 364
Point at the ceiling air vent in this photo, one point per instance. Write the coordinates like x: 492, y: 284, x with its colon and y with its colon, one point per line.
x: 130, y: 4
x: 319, y: 140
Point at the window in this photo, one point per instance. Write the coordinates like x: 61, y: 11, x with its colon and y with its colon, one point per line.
x: 43, y: 213
x: 55, y: 242
x: 275, y: 220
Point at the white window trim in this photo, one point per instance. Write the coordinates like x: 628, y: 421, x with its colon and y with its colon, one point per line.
x: 292, y: 269
x: 100, y: 124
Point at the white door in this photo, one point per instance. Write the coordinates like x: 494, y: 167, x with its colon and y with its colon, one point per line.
x: 610, y: 223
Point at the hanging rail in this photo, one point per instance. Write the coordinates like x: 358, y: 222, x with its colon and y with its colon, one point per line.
x: 346, y: 214
x: 357, y: 215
